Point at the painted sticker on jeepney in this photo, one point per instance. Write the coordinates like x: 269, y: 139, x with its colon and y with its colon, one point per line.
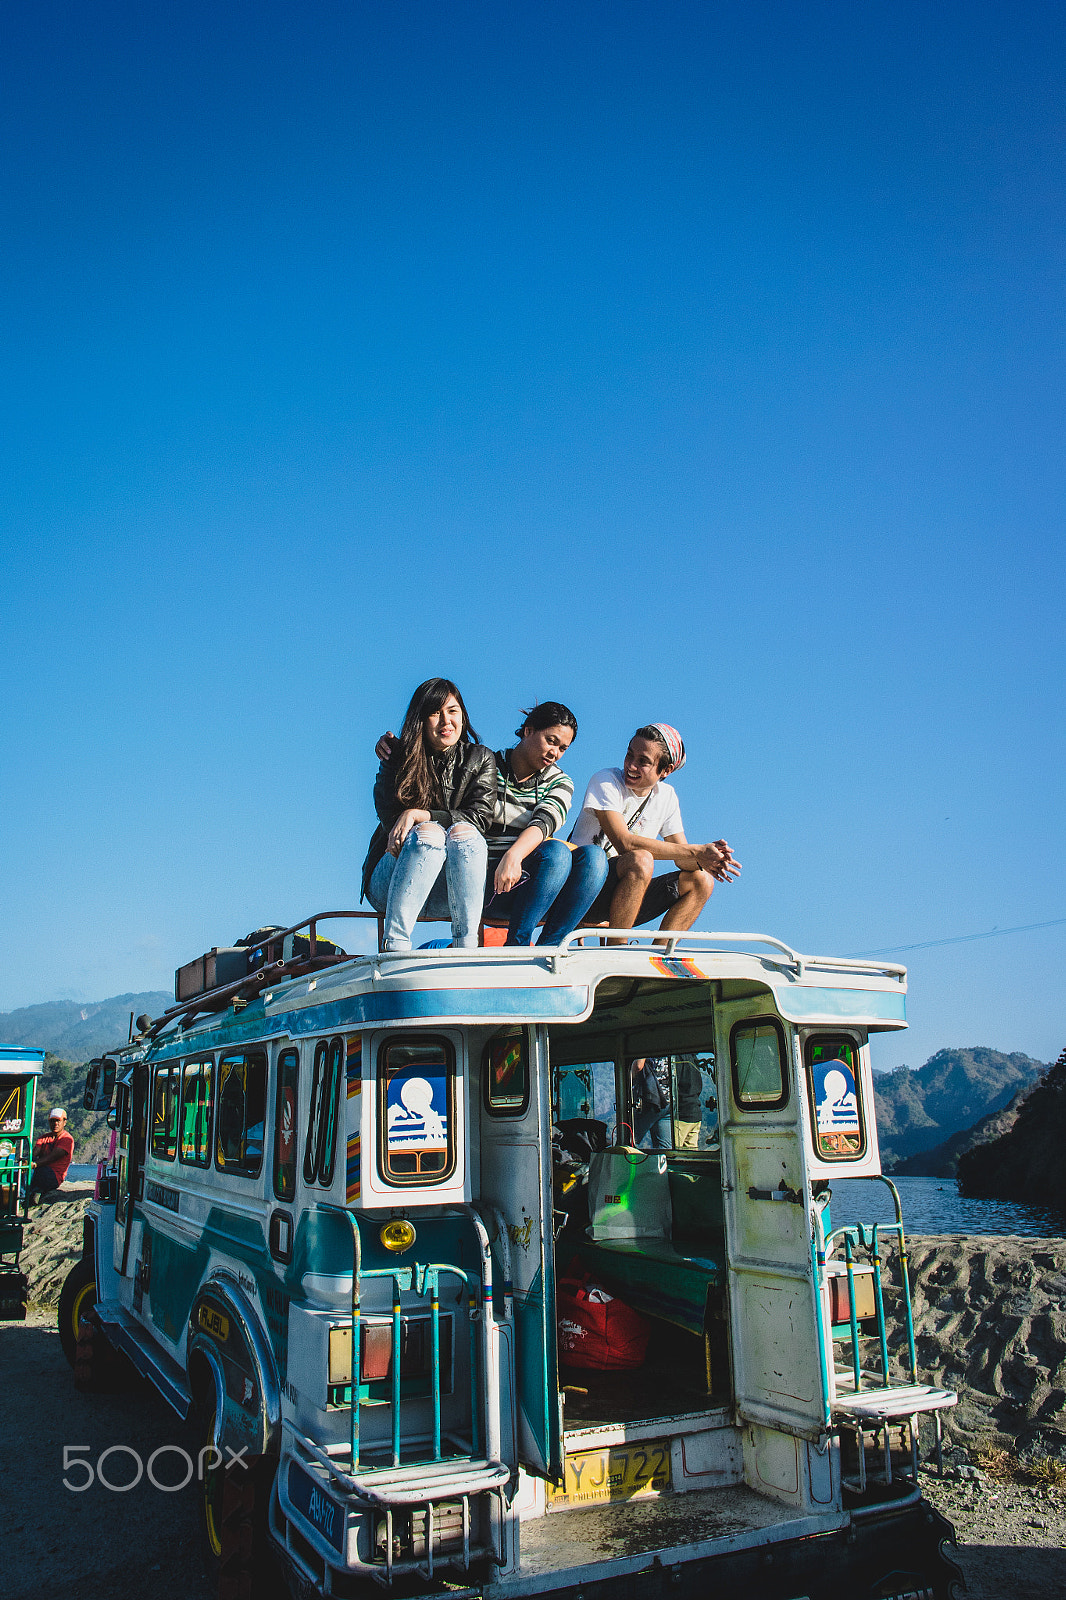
x: 417, y: 1109
x: 836, y: 1108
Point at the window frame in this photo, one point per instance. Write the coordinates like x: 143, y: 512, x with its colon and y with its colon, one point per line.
x: 196, y: 1064
x: 410, y: 1180
x: 171, y: 1071
x: 312, y: 1131
x: 778, y: 1104
x: 497, y: 1109
x: 330, y: 1116
x: 290, y: 1054
x: 248, y: 1057
x: 832, y: 1036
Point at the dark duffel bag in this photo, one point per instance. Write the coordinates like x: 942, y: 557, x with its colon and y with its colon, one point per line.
x: 266, y: 945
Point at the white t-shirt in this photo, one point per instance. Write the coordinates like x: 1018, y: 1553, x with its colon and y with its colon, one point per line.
x: 608, y: 791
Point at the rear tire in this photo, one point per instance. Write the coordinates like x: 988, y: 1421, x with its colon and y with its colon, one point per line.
x: 97, y: 1364
x: 234, y: 1506
x: 76, y: 1298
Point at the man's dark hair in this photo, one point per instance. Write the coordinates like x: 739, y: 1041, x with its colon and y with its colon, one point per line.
x: 416, y: 778
x: 548, y: 714
x: 666, y: 760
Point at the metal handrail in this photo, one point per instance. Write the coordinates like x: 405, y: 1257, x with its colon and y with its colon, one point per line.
x: 421, y: 1278
x: 868, y: 1238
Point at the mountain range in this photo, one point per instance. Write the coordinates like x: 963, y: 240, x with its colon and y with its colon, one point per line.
x: 79, y: 1032
x: 919, y: 1112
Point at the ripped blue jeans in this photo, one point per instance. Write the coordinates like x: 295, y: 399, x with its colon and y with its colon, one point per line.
x: 435, y: 875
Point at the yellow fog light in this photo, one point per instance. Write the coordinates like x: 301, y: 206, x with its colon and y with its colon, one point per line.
x: 397, y: 1235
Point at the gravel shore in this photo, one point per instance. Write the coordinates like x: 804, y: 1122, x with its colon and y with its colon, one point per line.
x: 990, y: 1322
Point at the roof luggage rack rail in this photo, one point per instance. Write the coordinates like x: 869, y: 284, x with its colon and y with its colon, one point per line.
x: 667, y: 944
x: 274, y: 969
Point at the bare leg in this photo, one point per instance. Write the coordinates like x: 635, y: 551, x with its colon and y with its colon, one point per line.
x: 635, y: 868
x: 695, y: 891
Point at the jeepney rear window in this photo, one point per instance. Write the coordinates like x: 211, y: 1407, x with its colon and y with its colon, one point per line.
x: 285, y: 1105
x: 506, y: 1073
x: 757, y: 1052
x: 835, y: 1096
x: 241, y: 1113
x: 165, y: 1095
x: 196, y: 1107
x: 416, y: 1111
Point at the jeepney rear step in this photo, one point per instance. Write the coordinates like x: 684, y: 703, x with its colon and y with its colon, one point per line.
x: 425, y: 1512
x: 411, y: 1484
x: 875, y: 1410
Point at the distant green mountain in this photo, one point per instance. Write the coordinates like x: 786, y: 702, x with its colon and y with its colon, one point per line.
x: 1025, y: 1163
x: 955, y: 1089
x: 942, y: 1161
x: 79, y: 1032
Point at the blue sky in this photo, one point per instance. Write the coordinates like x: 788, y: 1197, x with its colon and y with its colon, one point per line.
x: 700, y: 363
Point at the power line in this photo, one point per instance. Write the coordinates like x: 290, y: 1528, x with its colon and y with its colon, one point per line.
x: 959, y: 938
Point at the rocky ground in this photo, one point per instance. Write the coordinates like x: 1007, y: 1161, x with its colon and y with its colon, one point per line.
x: 990, y: 1322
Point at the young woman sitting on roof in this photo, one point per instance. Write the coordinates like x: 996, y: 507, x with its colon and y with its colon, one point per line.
x: 434, y: 794
x: 532, y: 875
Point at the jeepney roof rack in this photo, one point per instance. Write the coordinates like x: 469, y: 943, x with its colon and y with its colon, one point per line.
x: 273, y: 969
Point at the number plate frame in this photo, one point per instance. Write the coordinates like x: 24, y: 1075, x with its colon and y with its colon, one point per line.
x: 612, y: 1474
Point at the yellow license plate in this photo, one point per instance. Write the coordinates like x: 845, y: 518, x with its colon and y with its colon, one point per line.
x: 622, y: 1472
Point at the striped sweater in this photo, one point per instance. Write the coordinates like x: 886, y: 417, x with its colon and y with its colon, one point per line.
x: 541, y: 801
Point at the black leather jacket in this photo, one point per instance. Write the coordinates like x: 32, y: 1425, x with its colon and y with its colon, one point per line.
x: 467, y: 774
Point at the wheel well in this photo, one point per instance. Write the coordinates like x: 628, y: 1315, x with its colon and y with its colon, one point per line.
x: 201, y: 1382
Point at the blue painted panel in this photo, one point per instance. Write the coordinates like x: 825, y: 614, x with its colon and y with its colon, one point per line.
x: 799, y: 1003
x: 392, y: 1005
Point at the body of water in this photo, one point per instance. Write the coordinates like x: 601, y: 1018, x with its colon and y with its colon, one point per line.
x: 79, y: 1172
x: 934, y: 1205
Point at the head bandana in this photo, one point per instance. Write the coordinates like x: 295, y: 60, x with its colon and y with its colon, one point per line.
x: 674, y: 743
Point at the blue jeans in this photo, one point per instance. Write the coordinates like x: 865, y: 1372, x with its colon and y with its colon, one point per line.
x: 562, y: 885
x: 435, y: 875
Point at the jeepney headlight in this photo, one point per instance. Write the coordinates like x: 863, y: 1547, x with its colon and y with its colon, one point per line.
x: 397, y: 1235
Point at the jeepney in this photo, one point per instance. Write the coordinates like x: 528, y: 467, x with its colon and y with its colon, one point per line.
x: 350, y: 1195
x: 19, y: 1070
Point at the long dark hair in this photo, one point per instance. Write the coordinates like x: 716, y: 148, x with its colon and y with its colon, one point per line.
x: 417, y: 784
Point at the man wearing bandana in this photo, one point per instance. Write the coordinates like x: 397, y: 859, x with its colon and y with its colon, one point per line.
x: 633, y: 814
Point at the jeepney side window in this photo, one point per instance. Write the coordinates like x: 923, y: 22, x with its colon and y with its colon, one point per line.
x: 416, y: 1110
x: 835, y: 1096
x: 165, y: 1112
x: 286, y: 1101
x: 241, y: 1113
x: 327, y: 1122
x: 196, y: 1113
x: 505, y: 1069
x: 314, y: 1111
x: 760, y: 1075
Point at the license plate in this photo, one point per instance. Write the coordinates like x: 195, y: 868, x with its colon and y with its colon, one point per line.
x: 622, y: 1472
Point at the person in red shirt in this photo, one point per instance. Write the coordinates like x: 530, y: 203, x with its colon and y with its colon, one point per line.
x: 52, y: 1155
